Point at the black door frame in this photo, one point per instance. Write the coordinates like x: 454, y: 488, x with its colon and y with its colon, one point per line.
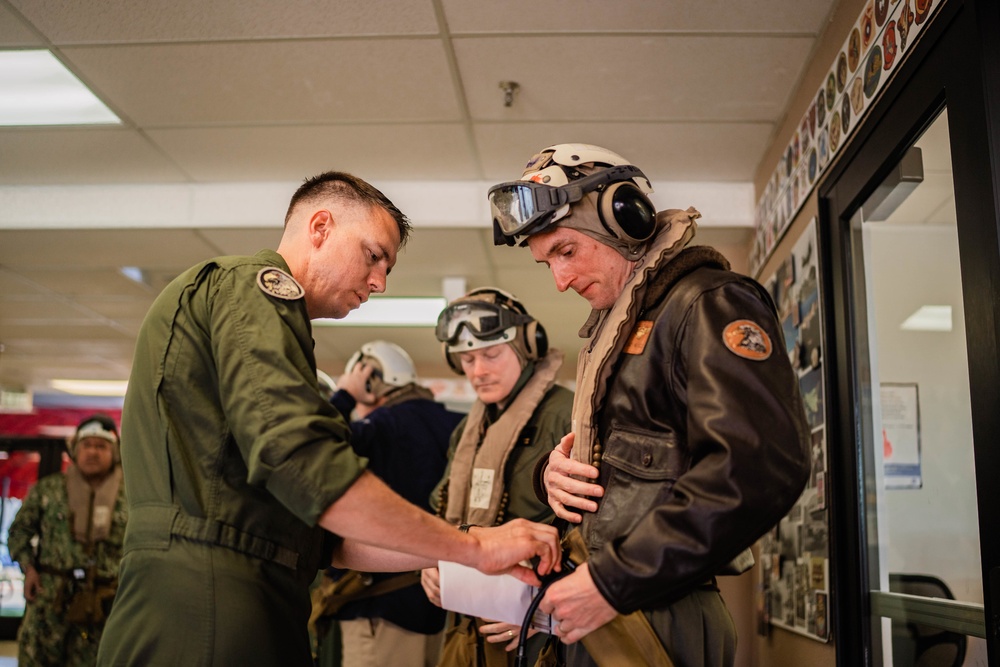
x: 956, y: 64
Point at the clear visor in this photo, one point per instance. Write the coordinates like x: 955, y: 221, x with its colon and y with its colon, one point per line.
x: 525, y: 207
x: 514, y: 206
x: 482, y: 320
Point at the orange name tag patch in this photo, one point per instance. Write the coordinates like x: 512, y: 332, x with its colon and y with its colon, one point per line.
x: 637, y: 341
x: 747, y: 339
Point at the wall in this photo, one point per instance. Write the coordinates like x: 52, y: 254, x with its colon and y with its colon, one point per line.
x: 781, y: 647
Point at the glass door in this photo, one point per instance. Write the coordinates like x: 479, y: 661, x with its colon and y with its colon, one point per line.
x: 918, y: 459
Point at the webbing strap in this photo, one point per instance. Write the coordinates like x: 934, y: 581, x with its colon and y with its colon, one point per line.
x: 153, y: 525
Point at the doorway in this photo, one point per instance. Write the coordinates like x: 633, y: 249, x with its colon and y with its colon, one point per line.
x: 910, y: 246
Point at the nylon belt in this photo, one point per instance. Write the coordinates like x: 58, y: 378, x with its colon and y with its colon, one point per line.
x: 151, y: 526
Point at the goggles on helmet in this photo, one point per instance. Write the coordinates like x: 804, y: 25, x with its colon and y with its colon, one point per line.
x: 481, y: 319
x: 526, y: 207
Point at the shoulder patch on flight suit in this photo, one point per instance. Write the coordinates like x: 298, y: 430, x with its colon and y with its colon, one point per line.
x: 637, y: 341
x: 746, y: 338
x: 275, y: 282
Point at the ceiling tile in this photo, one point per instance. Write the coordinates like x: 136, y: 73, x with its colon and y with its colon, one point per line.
x: 525, y: 16
x: 233, y: 154
x: 680, y: 78
x: 111, y: 21
x: 129, y: 312
x: 14, y: 32
x: 73, y: 282
x: 268, y: 82
x: 23, y: 311
x: 443, y: 252
x: 103, y: 248
x: 46, y: 156
x: 664, y: 151
x: 55, y: 335
x: 240, y: 241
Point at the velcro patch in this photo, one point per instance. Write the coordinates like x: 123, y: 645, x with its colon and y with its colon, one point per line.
x: 275, y: 282
x: 747, y: 339
x: 637, y: 341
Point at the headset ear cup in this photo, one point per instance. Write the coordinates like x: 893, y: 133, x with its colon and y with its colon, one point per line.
x: 535, y: 340
x: 541, y: 341
x: 627, y: 212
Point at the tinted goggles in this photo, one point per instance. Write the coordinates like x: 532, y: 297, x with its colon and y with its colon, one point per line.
x: 483, y: 320
x: 525, y: 207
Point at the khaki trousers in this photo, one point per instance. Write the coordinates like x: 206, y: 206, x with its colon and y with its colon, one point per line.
x: 374, y: 642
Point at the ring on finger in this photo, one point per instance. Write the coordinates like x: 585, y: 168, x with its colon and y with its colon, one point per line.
x: 510, y: 633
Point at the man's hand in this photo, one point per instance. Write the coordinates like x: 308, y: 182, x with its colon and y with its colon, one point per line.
x: 564, y: 489
x: 355, y: 383
x: 503, y: 548
x: 32, y: 583
x: 430, y: 579
x: 498, y: 633
x: 576, y: 606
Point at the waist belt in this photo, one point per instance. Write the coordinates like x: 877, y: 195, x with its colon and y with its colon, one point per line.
x: 152, y: 526
x: 71, y: 573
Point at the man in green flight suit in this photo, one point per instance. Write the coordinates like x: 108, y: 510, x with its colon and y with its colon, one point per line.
x: 78, y: 518
x: 240, y: 476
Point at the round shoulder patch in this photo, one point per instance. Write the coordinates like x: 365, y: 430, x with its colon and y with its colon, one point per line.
x: 747, y: 339
x: 275, y: 282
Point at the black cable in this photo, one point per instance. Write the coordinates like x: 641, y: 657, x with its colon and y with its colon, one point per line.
x: 567, y: 567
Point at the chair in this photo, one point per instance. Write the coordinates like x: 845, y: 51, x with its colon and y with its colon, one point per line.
x: 917, y: 644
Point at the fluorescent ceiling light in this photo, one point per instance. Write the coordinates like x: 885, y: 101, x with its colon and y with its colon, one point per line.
x: 35, y: 89
x: 91, y: 387
x: 929, y: 318
x: 392, y: 312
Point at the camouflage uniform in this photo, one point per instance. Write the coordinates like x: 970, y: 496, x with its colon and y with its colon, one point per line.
x: 46, y: 637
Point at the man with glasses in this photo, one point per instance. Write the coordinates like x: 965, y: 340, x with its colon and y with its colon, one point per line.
x: 689, y: 439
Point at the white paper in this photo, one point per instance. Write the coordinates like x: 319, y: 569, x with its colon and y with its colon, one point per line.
x: 495, y: 598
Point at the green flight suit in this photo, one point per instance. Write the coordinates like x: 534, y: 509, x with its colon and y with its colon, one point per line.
x: 230, y: 454
x: 46, y: 637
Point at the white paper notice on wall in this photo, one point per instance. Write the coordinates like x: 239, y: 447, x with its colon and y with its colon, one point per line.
x: 901, y: 435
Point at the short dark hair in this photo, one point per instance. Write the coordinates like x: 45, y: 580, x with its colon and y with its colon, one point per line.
x: 340, y: 185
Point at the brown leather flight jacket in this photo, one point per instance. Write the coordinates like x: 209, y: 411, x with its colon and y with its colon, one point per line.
x: 704, y: 450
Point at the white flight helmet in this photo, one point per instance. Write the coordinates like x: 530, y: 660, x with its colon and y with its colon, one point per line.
x: 489, y: 316
x: 562, y: 175
x: 393, y: 366
x: 327, y: 385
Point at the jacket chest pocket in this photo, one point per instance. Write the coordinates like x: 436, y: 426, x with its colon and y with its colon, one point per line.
x: 639, y: 469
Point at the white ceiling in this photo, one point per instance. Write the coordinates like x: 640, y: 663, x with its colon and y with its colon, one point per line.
x: 224, y: 103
